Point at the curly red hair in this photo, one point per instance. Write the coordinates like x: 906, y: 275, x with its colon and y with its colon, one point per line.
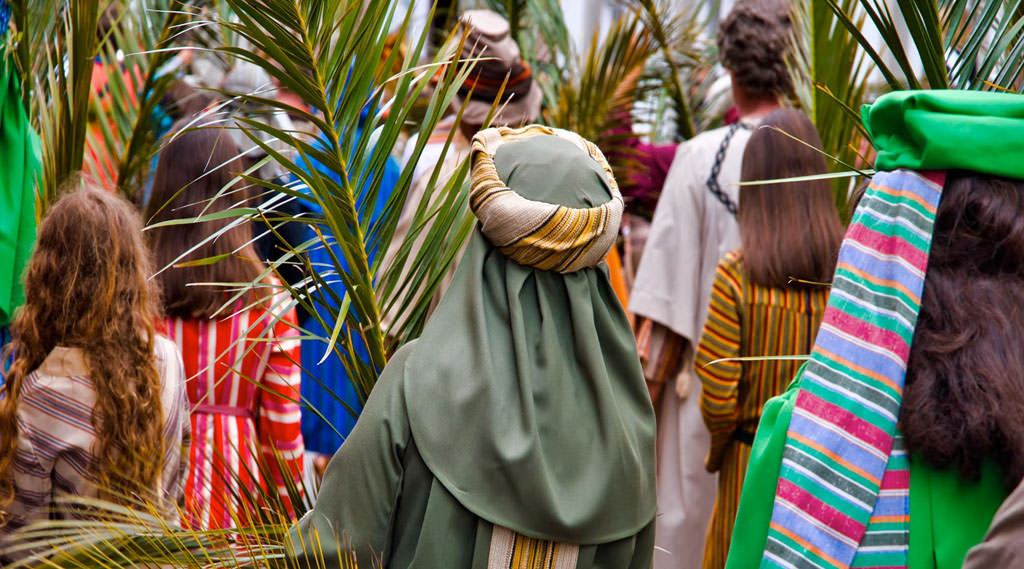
x: 87, y: 286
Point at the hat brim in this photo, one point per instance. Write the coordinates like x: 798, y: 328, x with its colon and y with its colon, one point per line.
x: 509, y: 112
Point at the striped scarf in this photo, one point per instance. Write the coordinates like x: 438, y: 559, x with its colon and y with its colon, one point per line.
x: 843, y: 495
x: 536, y: 234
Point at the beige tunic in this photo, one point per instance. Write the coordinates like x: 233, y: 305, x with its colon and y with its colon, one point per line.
x: 418, y: 192
x: 56, y: 437
x: 690, y: 232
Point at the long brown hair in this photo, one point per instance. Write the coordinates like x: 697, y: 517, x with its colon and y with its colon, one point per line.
x: 963, y: 401
x: 789, y: 230
x: 87, y: 286
x: 194, y: 167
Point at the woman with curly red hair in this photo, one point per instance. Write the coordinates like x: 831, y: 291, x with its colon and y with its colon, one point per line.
x: 94, y: 393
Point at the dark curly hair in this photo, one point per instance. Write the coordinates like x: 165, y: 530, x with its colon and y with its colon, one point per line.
x: 964, y: 397
x: 753, y: 43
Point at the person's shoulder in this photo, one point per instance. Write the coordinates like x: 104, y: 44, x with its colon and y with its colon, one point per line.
x: 706, y: 139
x: 697, y: 154
x: 169, y: 363
x: 731, y: 261
x: 730, y: 268
x: 164, y: 348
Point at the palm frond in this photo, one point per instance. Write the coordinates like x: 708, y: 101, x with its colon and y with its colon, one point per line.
x: 672, y: 33
x: 333, y: 55
x: 603, y: 83
x: 59, y: 80
x: 949, y: 43
x: 831, y: 76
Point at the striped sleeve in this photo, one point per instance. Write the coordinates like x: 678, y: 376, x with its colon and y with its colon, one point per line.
x: 720, y: 381
x: 177, y: 427
x: 280, y: 414
x: 661, y: 351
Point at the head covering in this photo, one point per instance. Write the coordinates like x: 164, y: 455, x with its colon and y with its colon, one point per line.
x: 842, y: 497
x: 488, y: 36
x: 542, y: 235
x: 947, y: 130
x: 527, y: 398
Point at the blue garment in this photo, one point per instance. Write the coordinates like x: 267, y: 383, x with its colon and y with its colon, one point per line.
x: 5, y: 338
x: 319, y: 380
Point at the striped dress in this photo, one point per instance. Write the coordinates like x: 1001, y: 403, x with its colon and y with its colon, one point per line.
x: 745, y: 319
x: 56, y: 437
x: 243, y: 386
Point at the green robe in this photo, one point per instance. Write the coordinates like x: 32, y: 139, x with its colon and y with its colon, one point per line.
x: 380, y: 500
x: 19, y: 168
x: 521, y: 405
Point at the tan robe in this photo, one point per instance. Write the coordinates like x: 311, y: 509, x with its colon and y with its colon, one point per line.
x: 1004, y: 543
x: 690, y: 232
x: 458, y: 152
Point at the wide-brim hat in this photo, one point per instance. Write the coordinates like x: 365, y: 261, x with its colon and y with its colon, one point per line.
x: 488, y: 36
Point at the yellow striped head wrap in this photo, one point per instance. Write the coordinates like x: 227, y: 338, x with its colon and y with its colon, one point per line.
x: 537, y: 234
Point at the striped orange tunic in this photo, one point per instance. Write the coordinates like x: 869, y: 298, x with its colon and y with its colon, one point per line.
x: 745, y: 319
x: 243, y: 386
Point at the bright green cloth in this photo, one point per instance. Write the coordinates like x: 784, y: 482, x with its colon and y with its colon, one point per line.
x: 19, y: 167
x: 949, y: 516
x: 522, y: 404
x: 948, y: 129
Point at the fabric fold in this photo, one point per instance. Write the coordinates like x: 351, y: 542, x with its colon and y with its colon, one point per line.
x: 948, y: 129
x: 539, y: 421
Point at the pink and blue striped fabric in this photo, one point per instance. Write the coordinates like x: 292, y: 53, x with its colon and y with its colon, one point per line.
x: 843, y: 493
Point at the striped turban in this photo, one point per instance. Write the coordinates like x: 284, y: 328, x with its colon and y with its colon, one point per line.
x: 541, y: 235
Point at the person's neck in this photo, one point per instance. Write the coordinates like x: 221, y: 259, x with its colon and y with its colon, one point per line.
x: 468, y: 131
x: 755, y: 109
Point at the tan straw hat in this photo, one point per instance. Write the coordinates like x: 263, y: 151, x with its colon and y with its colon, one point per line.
x: 488, y: 36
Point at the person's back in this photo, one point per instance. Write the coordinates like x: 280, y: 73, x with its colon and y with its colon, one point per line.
x: 57, y: 439
x: 694, y: 224
x: 240, y: 349
x: 242, y: 379
x: 514, y: 449
x: 767, y: 301
x: 904, y: 431
x: 94, y: 405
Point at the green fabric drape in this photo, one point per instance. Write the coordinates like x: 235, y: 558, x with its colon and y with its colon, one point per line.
x: 522, y: 404
x: 942, y: 530
x: 20, y: 166
x: 540, y: 420
x: 948, y: 129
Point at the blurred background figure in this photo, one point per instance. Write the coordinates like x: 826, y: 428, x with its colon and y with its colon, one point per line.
x: 768, y: 299
x: 240, y: 347
x: 694, y: 226
x: 500, y: 70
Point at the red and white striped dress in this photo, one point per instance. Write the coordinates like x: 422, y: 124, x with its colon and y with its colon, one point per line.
x: 243, y: 386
